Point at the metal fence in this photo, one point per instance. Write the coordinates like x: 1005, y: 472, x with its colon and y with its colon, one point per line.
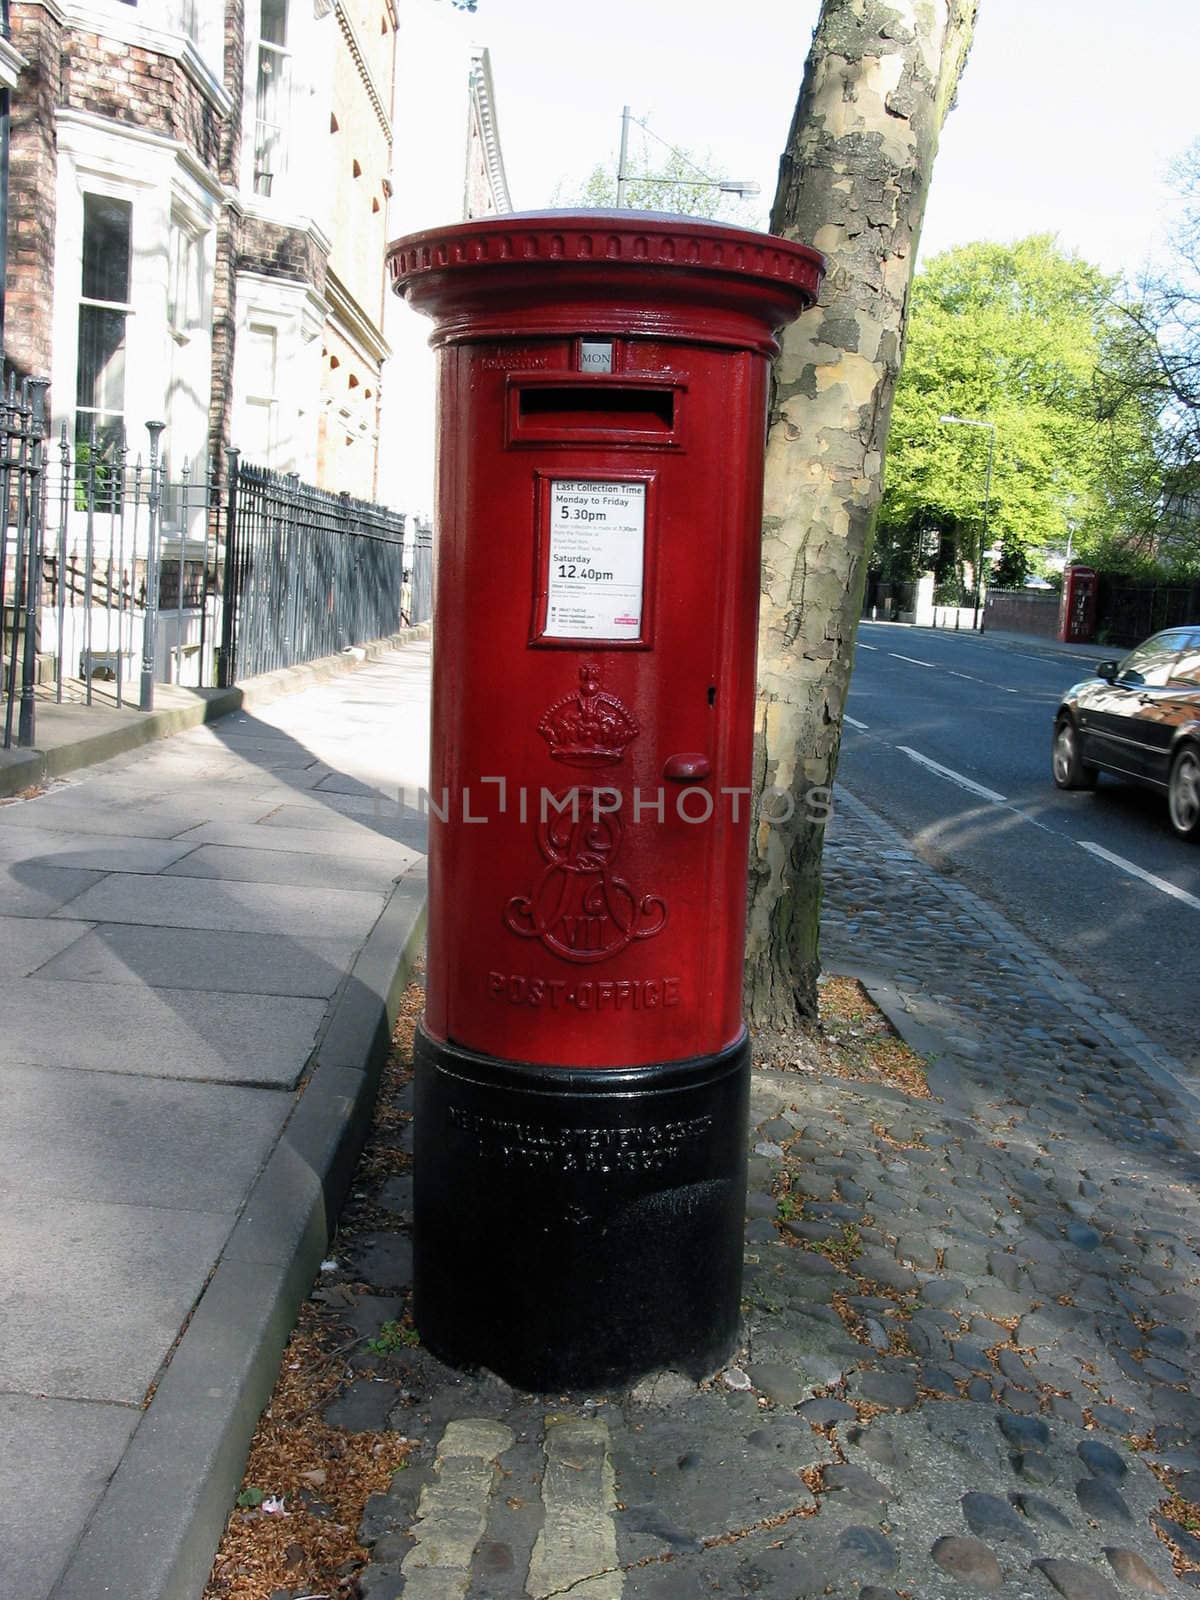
x: 1127, y: 613
x: 306, y: 572
x: 117, y: 573
x: 129, y: 571
x: 106, y: 569
x: 22, y: 468
x: 419, y: 594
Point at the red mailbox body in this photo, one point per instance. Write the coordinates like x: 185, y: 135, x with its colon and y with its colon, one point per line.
x: 603, y: 388
x: 1077, y: 609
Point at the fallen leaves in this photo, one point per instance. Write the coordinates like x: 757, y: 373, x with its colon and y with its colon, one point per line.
x: 294, y: 1525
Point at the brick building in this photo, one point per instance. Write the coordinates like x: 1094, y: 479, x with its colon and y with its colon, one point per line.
x: 197, y: 220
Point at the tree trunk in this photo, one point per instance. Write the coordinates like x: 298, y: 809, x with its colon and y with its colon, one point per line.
x: 880, y: 78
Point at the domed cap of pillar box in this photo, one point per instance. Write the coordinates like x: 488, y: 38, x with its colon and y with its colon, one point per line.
x: 630, y: 273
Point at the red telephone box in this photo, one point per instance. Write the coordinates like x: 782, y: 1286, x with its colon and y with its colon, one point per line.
x: 583, y: 1065
x: 1077, y: 608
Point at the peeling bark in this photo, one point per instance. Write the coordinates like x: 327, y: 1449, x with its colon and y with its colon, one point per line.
x: 879, y: 80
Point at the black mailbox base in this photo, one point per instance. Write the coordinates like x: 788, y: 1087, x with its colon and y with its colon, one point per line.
x: 576, y: 1230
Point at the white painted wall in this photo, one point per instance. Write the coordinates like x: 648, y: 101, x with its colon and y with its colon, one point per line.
x: 287, y: 315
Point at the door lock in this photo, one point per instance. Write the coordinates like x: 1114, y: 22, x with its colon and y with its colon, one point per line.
x: 688, y: 767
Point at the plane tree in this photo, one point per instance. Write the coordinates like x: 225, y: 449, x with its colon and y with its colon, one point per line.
x: 878, y: 83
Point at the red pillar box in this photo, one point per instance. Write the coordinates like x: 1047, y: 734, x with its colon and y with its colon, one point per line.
x: 582, y: 1067
x: 1077, y: 608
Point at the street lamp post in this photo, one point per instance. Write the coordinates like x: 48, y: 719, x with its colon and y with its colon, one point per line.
x: 975, y: 422
x: 742, y: 187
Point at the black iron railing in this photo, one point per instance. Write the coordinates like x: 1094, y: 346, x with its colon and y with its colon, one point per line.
x: 1127, y: 613
x: 120, y: 533
x: 420, y: 599
x: 117, y: 574
x: 22, y: 485
x: 307, y: 573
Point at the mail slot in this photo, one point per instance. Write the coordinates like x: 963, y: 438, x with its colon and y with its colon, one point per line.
x: 582, y: 1065
x: 565, y: 413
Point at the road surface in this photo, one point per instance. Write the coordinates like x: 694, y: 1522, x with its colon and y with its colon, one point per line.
x: 947, y: 735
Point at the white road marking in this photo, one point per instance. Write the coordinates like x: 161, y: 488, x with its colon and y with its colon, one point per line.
x: 576, y: 1551
x: 969, y: 676
x: 1054, y: 656
x: 452, y: 1512
x: 954, y: 777
x: 1160, y: 884
x: 862, y: 646
x: 854, y: 723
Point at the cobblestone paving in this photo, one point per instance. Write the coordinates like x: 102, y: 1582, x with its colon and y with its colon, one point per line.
x: 969, y: 1349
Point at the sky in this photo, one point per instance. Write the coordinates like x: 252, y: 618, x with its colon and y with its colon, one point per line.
x: 1068, y: 116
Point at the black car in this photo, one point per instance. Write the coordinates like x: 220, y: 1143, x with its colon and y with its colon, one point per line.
x: 1140, y: 719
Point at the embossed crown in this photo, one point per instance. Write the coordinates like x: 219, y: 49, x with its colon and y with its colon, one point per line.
x: 588, y: 728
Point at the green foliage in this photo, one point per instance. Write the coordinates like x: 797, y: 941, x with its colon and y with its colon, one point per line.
x: 97, y: 475
x: 1029, y: 338
x: 392, y: 1338
x: 1163, y: 325
x: 1012, y: 567
x: 844, y: 1248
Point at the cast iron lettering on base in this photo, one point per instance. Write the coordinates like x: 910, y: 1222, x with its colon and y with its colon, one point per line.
x: 646, y: 1148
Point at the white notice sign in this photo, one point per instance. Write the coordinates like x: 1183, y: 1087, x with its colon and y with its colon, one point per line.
x: 597, y: 556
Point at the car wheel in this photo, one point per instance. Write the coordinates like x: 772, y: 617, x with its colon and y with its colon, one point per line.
x: 1183, y: 793
x: 1070, y: 769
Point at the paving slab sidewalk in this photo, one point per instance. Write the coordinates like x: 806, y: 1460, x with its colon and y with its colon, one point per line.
x: 204, y: 942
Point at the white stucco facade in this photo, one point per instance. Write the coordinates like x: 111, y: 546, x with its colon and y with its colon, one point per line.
x: 174, y: 209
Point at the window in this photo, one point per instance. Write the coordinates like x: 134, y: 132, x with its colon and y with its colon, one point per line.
x: 103, y: 309
x: 1151, y: 663
x: 1187, y: 668
x: 259, y: 429
x: 272, y: 96
x: 185, y: 285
